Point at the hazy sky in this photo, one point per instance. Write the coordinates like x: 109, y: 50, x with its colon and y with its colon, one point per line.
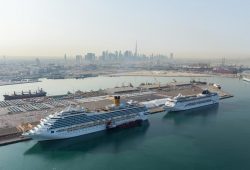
x: 189, y: 28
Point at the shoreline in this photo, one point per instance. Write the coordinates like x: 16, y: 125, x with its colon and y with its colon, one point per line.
x: 14, y: 83
x: 170, y: 74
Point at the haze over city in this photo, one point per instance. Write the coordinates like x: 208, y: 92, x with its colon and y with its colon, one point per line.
x: 124, y: 84
x: 204, y: 29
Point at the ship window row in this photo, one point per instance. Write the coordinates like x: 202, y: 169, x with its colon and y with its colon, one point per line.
x: 74, y: 128
x: 80, y: 127
x: 184, y: 100
x: 64, y: 123
x: 68, y: 123
x: 57, y: 126
x: 92, y: 124
x: 86, y: 119
x: 61, y: 124
x: 79, y: 119
x: 111, y: 114
x: 99, y: 122
x: 200, y: 102
x: 76, y: 116
x: 73, y: 120
x: 91, y: 118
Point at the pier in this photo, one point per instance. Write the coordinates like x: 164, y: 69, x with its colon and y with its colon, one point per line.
x: 20, y: 115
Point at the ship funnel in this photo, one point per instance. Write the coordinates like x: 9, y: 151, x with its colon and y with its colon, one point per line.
x: 117, y: 100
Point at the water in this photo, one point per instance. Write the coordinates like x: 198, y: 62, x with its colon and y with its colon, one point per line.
x: 62, y: 86
x: 216, y: 137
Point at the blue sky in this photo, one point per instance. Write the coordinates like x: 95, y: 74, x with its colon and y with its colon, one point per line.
x: 189, y: 28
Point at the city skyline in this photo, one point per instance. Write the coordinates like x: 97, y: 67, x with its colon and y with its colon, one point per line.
x: 207, y: 29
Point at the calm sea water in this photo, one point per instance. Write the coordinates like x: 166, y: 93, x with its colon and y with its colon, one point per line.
x: 216, y: 137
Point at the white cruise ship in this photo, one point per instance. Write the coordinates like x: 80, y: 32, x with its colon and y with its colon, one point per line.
x: 246, y: 79
x: 180, y: 102
x: 74, y: 122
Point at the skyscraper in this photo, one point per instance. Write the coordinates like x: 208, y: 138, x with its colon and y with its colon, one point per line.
x: 171, y: 56
x: 135, y: 54
x: 4, y: 60
x: 90, y: 57
x: 78, y: 60
x: 223, y: 61
x: 65, y: 58
x: 38, y: 63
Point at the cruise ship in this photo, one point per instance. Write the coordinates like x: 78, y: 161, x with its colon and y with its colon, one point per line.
x: 246, y: 79
x: 73, y: 122
x: 181, y: 103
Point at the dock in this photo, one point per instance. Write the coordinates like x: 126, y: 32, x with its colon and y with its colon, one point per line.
x: 13, y: 140
x: 16, y: 114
